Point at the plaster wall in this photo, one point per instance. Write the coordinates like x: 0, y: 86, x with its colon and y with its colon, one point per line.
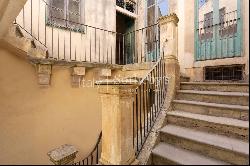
x: 35, y: 120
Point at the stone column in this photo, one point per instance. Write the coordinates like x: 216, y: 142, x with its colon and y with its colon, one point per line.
x: 117, y: 121
x: 169, y: 44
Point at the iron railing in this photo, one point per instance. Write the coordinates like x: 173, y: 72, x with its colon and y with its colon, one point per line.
x: 224, y: 73
x: 66, y: 40
x: 85, y: 43
x: 219, y: 38
x: 142, y: 45
x: 149, y: 101
x: 94, y: 156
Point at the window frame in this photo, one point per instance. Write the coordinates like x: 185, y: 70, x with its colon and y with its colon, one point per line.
x: 80, y: 24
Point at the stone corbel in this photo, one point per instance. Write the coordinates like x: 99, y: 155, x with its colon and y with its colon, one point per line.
x: 78, y: 74
x: 44, y: 74
x: 104, y: 73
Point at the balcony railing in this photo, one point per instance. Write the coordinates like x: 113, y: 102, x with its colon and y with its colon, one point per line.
x: 129, y: 5
x: 219, y: 38
x: 89, y: 44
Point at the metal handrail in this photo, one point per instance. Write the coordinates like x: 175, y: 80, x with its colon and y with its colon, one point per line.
x: 91, y: 154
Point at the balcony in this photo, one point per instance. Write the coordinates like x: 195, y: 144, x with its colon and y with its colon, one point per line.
x: 129, y: 5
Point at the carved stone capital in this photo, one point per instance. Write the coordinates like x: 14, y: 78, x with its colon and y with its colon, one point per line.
x: 169, y: 18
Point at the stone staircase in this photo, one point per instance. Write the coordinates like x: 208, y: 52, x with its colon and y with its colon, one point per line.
x: 28, y: 47
x: 208, y: 125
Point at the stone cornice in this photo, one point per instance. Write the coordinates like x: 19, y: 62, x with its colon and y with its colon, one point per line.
x: 169, y: 18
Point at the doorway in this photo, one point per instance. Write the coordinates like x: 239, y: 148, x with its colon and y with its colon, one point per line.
x: 125, y: 39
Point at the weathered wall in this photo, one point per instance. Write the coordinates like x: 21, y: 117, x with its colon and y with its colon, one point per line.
x: 35, y: 120
x: 9, y: 9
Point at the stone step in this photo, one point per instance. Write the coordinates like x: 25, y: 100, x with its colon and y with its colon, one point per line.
x: 213, y: 109
x: 218, y: 125
x: 139, y: 66
x: 215, y: 86
x: 215, y: 146
x: 166, y: 154
x: 237, y: 98
x: 185, y: 79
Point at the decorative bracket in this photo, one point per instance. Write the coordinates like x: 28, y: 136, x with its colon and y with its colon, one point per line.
x: 78, y: 74
x: 44, y: 74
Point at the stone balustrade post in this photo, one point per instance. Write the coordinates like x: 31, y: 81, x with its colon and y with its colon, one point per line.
x: 169, y: 45
x: 63, y: 155
x: 117, y: 121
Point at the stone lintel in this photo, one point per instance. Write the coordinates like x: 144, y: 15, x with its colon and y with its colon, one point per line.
x: 63, y: 155
x: 169, y: 18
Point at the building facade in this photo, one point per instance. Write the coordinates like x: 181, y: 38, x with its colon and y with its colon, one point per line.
x: 57, y: 49
x: 212, y: 40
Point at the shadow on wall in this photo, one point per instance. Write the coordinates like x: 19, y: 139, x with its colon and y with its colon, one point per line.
x: 35, y: 120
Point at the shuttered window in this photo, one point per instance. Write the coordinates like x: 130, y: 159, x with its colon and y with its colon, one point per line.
x: 65, y: 14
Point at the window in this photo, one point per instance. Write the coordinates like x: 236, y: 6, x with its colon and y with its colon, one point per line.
x: 228, y: 23
x: 233, y: 73
x: 163, y: 8
x: 65, y: 14
x: 208, y: 25
x: 222, y: 13
x: 129, y: 5
x: 155, y: 9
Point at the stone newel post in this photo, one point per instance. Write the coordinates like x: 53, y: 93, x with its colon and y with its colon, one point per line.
x: 117, y: 122
x: 169, y: 45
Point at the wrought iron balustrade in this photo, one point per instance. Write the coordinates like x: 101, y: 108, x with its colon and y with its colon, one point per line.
x: 149, y: 101
x: 94, y: 156
x: 79, y: 42
x: 219, y: 38
x: 142, y: 45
